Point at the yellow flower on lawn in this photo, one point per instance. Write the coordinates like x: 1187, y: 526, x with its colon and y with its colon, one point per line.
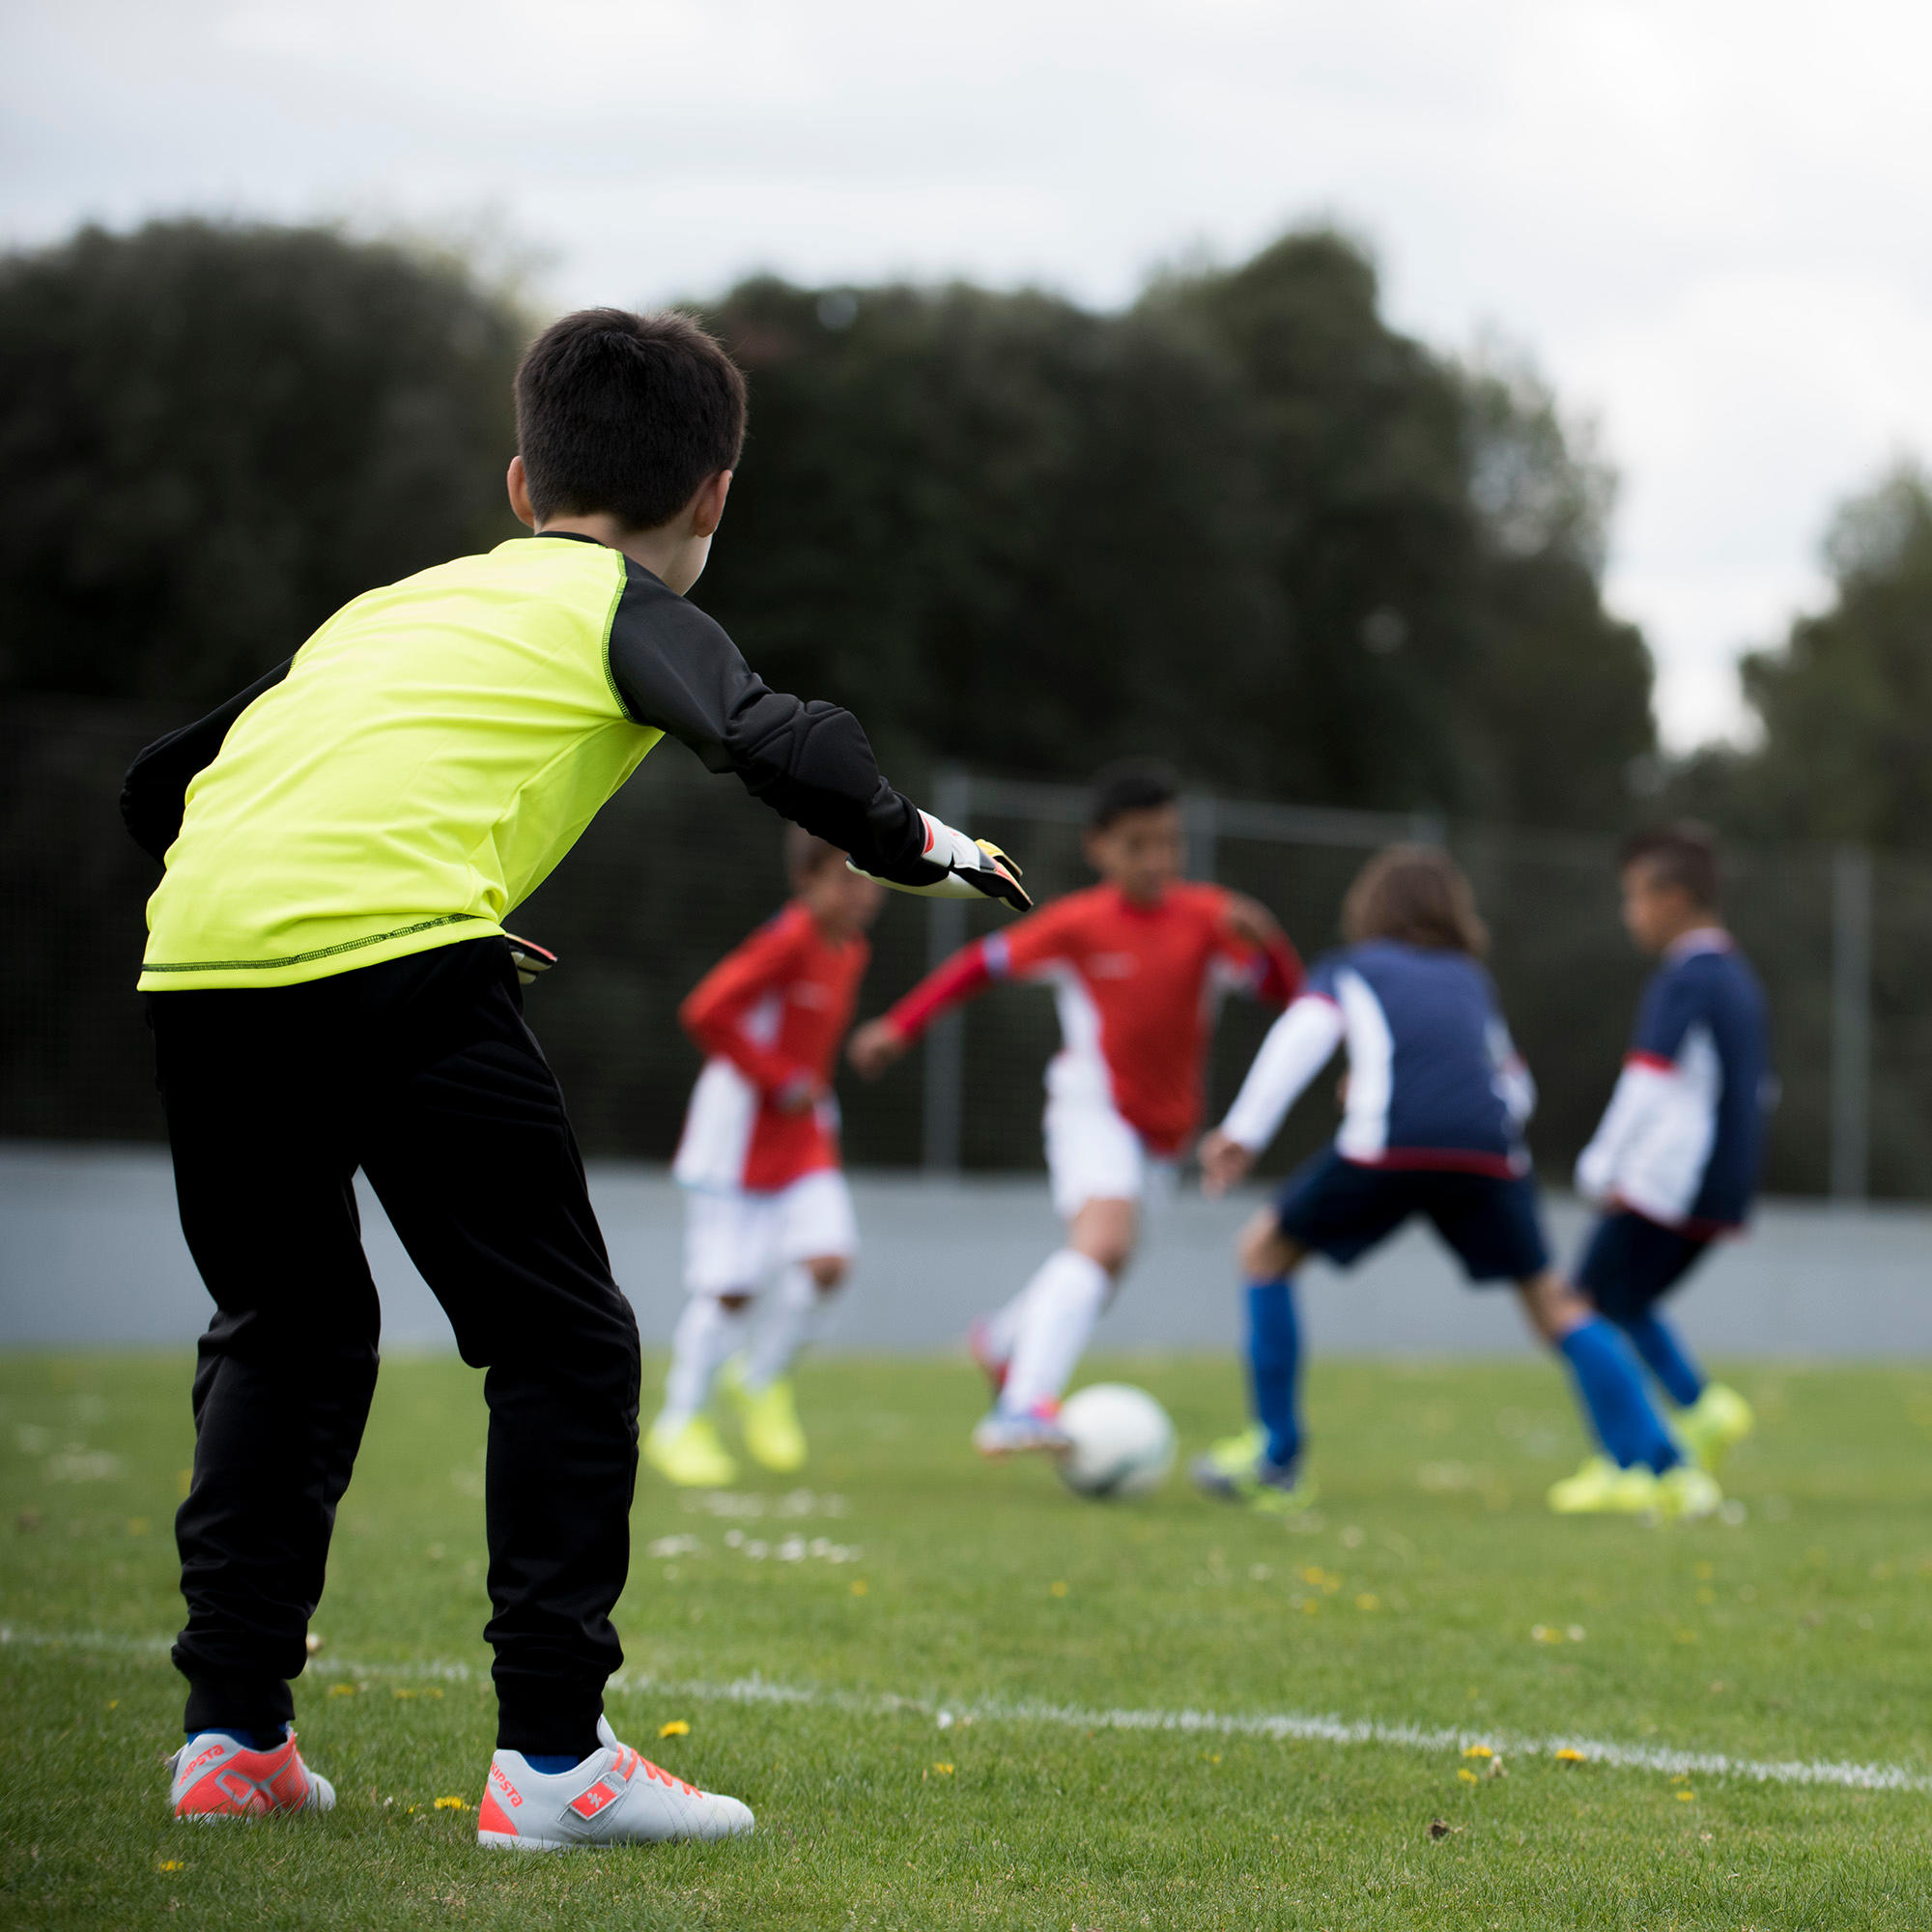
x: 171, y: 1864
x: 1568, y: 1755
x: 1478, y: 1750
x: 1469, y: 1778
x: 1058, y: 1589
x: 342, y: 1689
x: 943, y: 1770
x: 676, y: 1728
x: 451, y: 1804
x: 1686, y: 1797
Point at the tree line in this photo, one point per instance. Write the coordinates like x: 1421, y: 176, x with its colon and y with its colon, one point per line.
x: 1245, y: 522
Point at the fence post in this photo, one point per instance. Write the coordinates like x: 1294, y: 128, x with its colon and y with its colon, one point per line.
x: 1851, y: 1021
x: 943, y: 1102
x: 1199, y: 818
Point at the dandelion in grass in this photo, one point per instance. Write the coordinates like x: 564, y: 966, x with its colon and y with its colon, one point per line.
x: 1467, y: 1778
x: 1568, y: 1755
x: 676, y: 1727
x: 451, y: 1804
x: 1367, y: 1601
x: 1687, y: 1798
x: 1057, y: 1589
x: 342, y: 1689
x: 860, y: 1586
x: 942, y: 1771
x: 171, y: 1864
x: 1477, y: 1750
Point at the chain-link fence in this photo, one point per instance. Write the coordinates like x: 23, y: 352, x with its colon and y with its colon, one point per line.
x: 682, y: 864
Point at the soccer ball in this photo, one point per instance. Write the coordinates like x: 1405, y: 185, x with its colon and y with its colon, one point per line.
x: 1122, y: 1441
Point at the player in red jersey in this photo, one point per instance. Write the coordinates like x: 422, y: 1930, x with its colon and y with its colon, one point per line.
x: 766, y: 1204
x: 1137, y: 963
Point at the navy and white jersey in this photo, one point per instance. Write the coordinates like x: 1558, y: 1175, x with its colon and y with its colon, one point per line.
x: 1434, y: 1080
x: 1682, y: 1140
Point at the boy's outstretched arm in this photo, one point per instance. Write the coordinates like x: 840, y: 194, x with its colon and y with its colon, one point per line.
x: 154, y: 792
x: 967, y: 974
x: 676, y: 668
x: 1297, y: 1047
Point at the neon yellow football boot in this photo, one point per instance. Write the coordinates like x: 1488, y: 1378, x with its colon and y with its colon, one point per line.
x: 769, y: 1419
x: 691, y: 1456
x: 1600, y: 1488
x: 1714, y: 1424
x: 1235, y: 1454
x: 1687, y: 1493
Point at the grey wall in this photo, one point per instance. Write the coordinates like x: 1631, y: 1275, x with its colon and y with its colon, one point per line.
x: 91, y: 1256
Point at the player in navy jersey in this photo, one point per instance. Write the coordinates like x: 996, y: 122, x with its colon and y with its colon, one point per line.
x: 1674, y: 1164
x: 1434, y: 1110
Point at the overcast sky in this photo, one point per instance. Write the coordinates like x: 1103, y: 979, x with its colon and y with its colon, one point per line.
x: 1706, y: 222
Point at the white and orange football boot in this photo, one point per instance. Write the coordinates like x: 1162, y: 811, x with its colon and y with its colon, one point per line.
x: 613, y: 1798
x: 217, y: 1777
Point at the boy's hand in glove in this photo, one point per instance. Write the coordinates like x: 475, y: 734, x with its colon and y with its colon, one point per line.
x: 964, y: 868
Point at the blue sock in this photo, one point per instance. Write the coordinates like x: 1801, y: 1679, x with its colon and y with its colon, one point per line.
x: 1611, y: 1387
x: 1665, y: 1357
x: 1274, y: 1366
x: 255, y: 1741
x: 550, y: 1764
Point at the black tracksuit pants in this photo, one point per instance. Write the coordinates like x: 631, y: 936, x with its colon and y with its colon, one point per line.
x: 421, y: 1072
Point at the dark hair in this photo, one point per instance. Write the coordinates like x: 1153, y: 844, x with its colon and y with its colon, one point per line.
x: 1684, y: 855
x: 807, y: 854
x: 1133, y: 784
x: 625, y: 415
x: 1417, y: 895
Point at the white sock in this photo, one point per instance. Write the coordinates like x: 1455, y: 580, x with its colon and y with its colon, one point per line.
x: 706, y: 1332
x: 1001, y: 1329
x: 788, y: 1324
x: 1063, y: 1302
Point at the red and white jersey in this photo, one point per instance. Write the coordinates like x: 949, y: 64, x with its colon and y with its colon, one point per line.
x: 1137, y: 987
x: 770, y: 1016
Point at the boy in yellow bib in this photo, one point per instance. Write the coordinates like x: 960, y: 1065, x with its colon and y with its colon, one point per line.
x: 330, y: 988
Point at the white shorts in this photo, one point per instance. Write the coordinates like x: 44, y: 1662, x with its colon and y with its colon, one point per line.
x: 734, y: 1241
x: 1092, y: 1155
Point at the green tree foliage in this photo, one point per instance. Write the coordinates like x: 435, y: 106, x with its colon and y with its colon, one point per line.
x: 1847, y: 703
x: 1246, y: 524
x: 215, y: 435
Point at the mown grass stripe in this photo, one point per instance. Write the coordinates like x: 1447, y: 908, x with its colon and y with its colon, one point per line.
x: 1280, y: 1727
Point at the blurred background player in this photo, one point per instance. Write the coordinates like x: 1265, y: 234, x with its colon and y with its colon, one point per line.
x: 1136, y: 963
x: 766, y: 1204
x: 1675, y: 1162
x: 1434, y: 1110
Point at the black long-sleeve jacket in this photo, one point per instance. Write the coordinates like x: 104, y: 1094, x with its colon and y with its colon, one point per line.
x: 674, y: 668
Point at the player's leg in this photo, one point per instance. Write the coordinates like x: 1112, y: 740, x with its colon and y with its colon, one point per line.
x: 473, y: 1156
x: 1628, y: 1265
x: 1326, y: 1206
x: 818, y: 1236
x: 1100, y: 1171
x: 727, y: 1239
x: 1495, y: 1227
x: 264, y: 1169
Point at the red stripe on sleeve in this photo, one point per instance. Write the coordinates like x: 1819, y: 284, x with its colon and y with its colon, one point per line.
x: 1280, y: 977
x: 1654, y: 1061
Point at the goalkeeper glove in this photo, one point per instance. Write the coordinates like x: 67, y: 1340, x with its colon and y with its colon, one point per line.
x: 962, y: 869
x: 531, y: 960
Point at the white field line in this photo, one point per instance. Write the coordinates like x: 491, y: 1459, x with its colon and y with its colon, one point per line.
x: 1277, y: 1725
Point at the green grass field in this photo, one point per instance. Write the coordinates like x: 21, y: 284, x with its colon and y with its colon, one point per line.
x: 921, y: 1675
